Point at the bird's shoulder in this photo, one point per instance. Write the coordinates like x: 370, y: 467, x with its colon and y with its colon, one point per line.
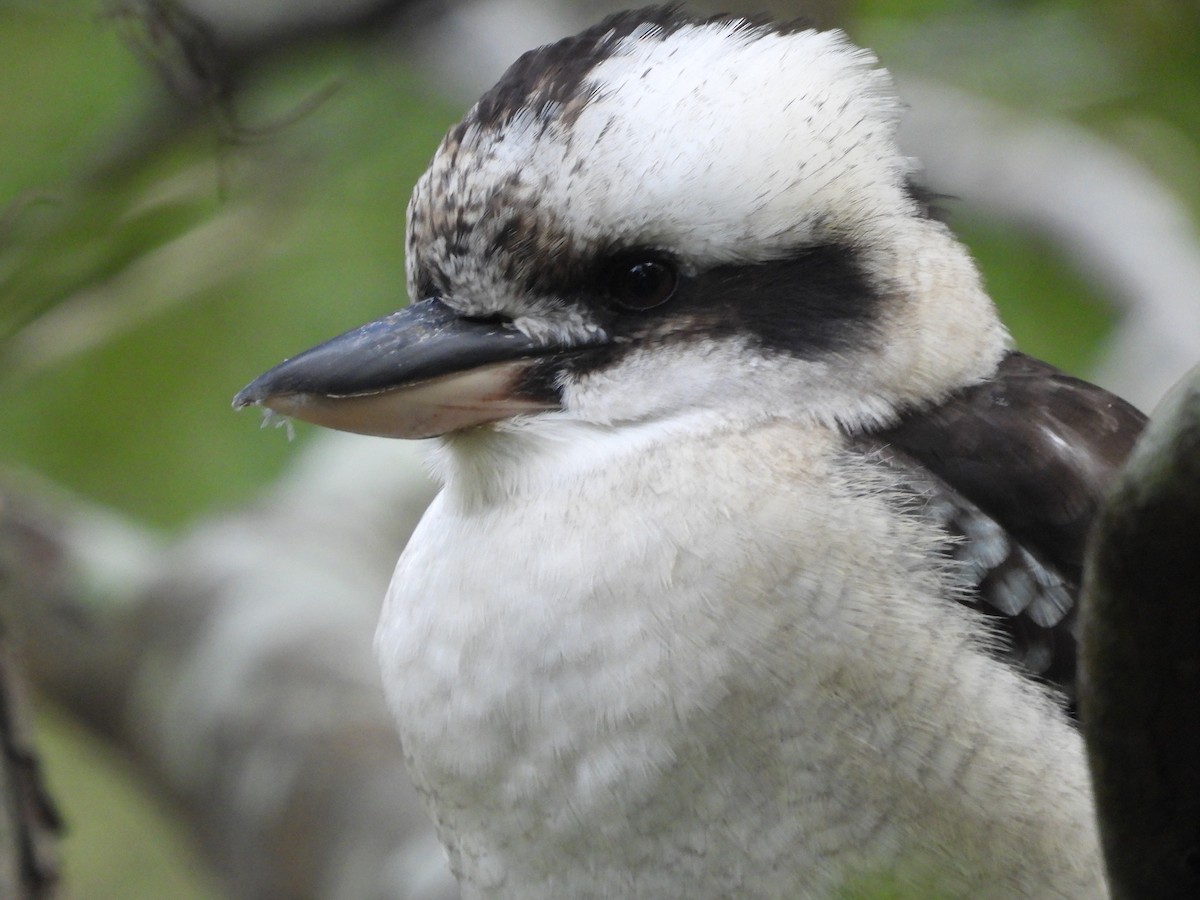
x: 1013, y: 470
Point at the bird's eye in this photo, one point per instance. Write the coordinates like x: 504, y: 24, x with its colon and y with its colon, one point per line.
x: 642, y: 282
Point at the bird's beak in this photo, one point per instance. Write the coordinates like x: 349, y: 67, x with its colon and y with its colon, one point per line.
x: 416, y: 373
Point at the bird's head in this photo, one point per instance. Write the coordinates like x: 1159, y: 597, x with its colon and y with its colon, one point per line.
x: 659, y: 215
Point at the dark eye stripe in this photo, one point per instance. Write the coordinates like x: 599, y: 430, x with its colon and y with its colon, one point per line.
x: 818, y: 300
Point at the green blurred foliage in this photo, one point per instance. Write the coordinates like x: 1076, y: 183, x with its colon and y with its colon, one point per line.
x: 170, y: 278
x: 1130, y: 72
x: 67, y: 83
x: 121, y: 844
x: 150, y: 265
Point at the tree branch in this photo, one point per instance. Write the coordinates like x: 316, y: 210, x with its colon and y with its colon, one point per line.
x: 1140, y: 659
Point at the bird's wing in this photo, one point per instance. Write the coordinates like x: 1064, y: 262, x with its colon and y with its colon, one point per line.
x: 1014, y: 469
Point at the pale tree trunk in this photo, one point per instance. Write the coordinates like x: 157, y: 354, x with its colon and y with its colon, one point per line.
x: 235, y: 667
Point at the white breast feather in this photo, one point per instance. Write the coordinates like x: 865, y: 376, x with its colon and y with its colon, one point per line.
x: 681, y: 665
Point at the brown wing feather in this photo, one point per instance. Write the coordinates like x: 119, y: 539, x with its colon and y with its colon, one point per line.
x: 1018, y: 466
x: 1032, y: 447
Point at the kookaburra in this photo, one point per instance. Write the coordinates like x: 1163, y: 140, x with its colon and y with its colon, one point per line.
x: 754, y: 568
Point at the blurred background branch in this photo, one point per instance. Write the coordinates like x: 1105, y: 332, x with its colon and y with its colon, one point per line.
x: 199, y: 596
